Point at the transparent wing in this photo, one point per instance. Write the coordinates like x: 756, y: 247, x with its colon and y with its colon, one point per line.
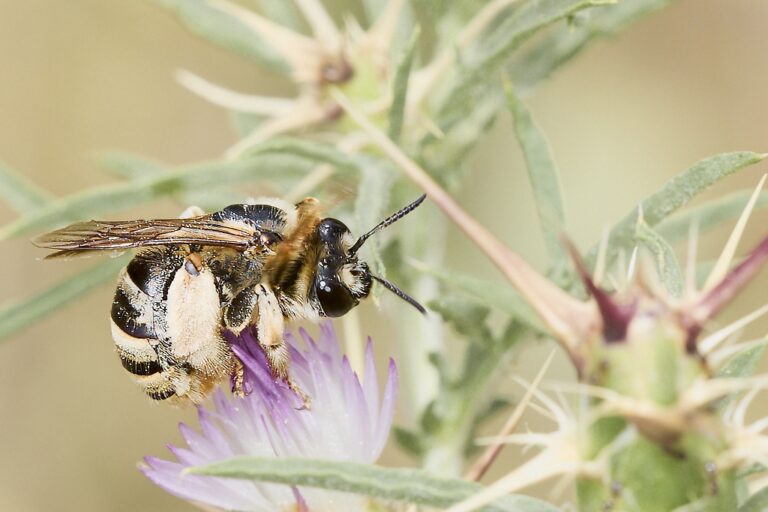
x: 96, y: 235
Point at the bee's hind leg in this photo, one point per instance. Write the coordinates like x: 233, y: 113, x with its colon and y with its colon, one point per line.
x: 270, y: 328
x: 238, y: 378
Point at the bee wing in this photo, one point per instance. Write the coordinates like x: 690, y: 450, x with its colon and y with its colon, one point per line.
x: 98, y: 235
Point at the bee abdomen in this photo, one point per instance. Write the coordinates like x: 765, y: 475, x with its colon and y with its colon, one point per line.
x: 139, y: 367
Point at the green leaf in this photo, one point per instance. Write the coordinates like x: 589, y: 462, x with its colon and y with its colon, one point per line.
x: 20, y: 193
x: 283, y: 13
x: 301, y: 148
x: 274, y: 159
x: 17, y: 315
x: 756, y: 503
x: 543, y: 174
x: 409, y: 441
x: 566, y: 41
x: 495, y: 49
x: 466, y: 315
x: 673, y: 195
x: 494, y: 294
x: 371, y: 204
x: 708, y: 215
x: 667, y: 265
x: 397, y: 484
x: 220, y: 28
x: 400, y: 86
x: 743, y: 364
x: 128, y: 165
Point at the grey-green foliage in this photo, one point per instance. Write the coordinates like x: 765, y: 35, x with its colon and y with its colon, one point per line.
x: 19, y: 314
x: 277, y: 160
x: 543, y: 175
x: 558, y: 47
x: 400, y: 86
x: 470, y: 102
x: 674, y: 195
x: 21, y: 194
x: 395, y: 484
x: 667, y: 265
x: 223, y: 29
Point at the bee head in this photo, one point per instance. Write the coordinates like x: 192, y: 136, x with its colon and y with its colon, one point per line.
x: 342, y: 279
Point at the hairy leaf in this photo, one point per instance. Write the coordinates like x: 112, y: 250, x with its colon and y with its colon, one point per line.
x: 128, y: 165
x: 283, y: 13
x: 667, y: 265
x: 218, y: 27
x: 707, y: 215
x: 400, y: 86
x: 543, y: 174
x: 495, y: 294
x: 495, y: 49
x: 758, y: 502
x: 274, y: 159
x: 566, y: 41
x: 743, y: 364
x: 20, y: 193
x: 405, y: 485
x: 17, y: 315
x: 673, y: 195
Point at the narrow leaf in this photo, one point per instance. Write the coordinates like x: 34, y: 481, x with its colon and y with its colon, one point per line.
x: 510, y: 33
x: 400, y: 86
x: 674, y: 195
x: 281, y: 12
x: 405, y: 485
x: 565, y: 42
x: 128, y: 165
x: 497, y: 295
x: 309, y: 150
x: 274, y: 159
x: 372, y: 205
x: 744, y: 364
x: 707, y: 215
x: 756, y: 503
x: 224, y: 30
x: 667, y: 265
x: 543, y: 174
x: 17, y: 315
x: 20, y: 193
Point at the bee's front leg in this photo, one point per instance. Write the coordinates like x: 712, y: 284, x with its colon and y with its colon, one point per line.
x: 270, y: 327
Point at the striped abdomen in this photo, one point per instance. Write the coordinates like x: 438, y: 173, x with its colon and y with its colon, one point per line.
x: 166, y: 321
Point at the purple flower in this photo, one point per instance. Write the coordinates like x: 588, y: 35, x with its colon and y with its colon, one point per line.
x: 347, y: 422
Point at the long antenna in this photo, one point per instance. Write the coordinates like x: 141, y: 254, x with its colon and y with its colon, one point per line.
x: 386, y: 222
x: 400, y: 293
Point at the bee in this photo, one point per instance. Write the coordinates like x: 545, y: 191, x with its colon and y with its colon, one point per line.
x: 194, y: 278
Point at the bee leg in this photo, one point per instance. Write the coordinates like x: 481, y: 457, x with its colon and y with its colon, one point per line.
x: 270, y: 327
x: 238, y: 386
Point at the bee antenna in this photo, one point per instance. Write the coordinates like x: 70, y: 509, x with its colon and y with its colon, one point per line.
x: 400, y: 293
x: 386, y: 222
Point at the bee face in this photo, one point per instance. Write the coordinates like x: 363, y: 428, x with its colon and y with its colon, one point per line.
x: 341, y: 279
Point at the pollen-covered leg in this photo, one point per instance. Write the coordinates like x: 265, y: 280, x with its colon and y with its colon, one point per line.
x: 238, y: 386
x: 270, y: 328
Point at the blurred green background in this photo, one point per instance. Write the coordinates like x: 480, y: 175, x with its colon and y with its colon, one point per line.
x: 87, y: 75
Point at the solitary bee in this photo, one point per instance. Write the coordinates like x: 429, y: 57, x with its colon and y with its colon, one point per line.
x: 247, y: 265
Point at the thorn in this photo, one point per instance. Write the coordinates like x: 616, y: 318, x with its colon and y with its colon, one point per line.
x: 616, y: 317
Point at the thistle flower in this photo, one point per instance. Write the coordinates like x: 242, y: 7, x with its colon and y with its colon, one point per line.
x: 347, y: 422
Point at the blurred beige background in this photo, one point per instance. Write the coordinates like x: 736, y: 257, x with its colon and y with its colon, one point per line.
x: 85, y: 75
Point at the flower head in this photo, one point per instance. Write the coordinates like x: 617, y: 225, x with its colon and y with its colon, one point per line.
x: 348, y: 422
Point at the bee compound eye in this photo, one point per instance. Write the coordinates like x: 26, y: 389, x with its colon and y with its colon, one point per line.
x: 334, y: 298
